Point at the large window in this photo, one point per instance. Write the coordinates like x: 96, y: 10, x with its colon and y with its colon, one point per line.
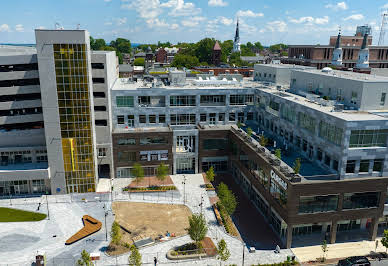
x: 120, y: 119
x: 184, y: 100
x: 311, y: 204
x: 274, y: 106
x: 361, y: 200
x: 126, y: 142
x: 378, y: 165
x: 241, y: 99
x: 350, y: 166
x: 215, y: 144
x: 126, y: 156
x: 278, y: 192
x: 307, y: 122
x: 182, y: 119
x: 368, y: 138
x: 212, y: 100
x: 288, y: 113
x: 330, y: 132
x: 154, y: 140
x: 124, y: 101
x: 218, y: 166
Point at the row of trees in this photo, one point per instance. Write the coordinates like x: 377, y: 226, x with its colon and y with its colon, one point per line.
x: 120, y: 45
x: 161, y: 172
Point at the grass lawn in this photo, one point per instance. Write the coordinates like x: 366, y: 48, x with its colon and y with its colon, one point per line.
x: 15, y: 215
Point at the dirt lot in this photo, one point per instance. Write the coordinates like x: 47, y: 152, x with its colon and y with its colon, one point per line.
x: 144, y: 220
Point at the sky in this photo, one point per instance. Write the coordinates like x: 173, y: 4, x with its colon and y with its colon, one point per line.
x: 149, y: 21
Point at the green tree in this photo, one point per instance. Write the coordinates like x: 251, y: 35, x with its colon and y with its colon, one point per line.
x: 249, y: 131
x: 226, y: 50
x: 99, y: 44
x: 85, y: 259
x: 384, y: 240
x: 162, y: 172
x: 258, y: 46
x: 183, y: 60
x: 204, y: 50
x: 197, y: 228
x: 164, y: 44
x: 138, y: 172
x: 223, y: 253
x: 278, y: 153
x: 210, y: 174
x: 297, y: 165
x: 263, y: 141
x: 227, y: 198
x: 92, y: 42
x: 324, y: 249
x: 139, y: 62
x: 239, y: 125
x: 115, y: 233
x: 246, y: 51
x: 135, y: 257
x: 121, y: 45
x: 277, y: 48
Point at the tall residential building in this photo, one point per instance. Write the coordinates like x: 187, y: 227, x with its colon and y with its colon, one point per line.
x: 62, y: 143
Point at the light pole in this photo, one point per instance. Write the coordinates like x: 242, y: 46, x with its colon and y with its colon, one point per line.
x: 106, y: 231
x: 48, y: 212
x: 184, y: 189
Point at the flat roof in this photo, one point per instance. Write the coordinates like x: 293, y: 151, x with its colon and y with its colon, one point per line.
x: 8, y: 50
x: 350, y: 75
x: 286, y: 66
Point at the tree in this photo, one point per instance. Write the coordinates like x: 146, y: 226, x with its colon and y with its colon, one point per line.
x: 122, y: 45
x: 210, y: 174
x: 276, y: 48
x: 139, y: 62
x: 115, y: 233
x: 204, y: 50
x: 226, y: 50
x: 239, y: 125
x: 162, y: 172
x: 278, y: 153
x: 138, y: 172
x: 324, y: 249
x: 222, y: 251
x: 99, y: 44
x: 297, y: 166
x: 85, y: 259
x: 135, y: 257
x: 197, y: 228
x: 384, y: 240
x: 258, y: 46
x: 263, y: 141
x: 227, y: 198
x: 187, y: 61
x: 249, y: 131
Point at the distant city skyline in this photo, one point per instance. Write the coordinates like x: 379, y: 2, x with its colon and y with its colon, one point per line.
x: 150, y: 21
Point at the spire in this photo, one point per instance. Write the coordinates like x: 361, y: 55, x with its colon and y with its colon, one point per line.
x: 338, y: 43
x: 217, y: 47
x: 237, y: 36
x: 365, y: 41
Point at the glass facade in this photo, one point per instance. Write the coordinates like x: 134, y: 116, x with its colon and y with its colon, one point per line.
x: 330, y: 132
x: 124, y: 101
x: 312, y: 204
x: 71, y: 67
x: 307, y: 122
x: 361, y: 200
x: 368, y: 138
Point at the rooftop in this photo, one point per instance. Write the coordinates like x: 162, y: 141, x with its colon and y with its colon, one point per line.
x: 8, y: 50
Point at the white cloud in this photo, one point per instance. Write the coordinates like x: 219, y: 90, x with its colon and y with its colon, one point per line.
x: 41, y: 27
x: 174, y: 26
x: 19, y: 28
x: 310, y: 20
x: 277, y: 25
x: 108, y: 23
x: 147, y: 9
x: 5, y: 27
x: 338, y: 6
x: 225, y: 21
x: 355, y: 17
x: 121, y: 21
x: 248, y: 13
x: 107, y: 1
x: 385, y: 6
x: 180, y: 8
x: 217, y: 3
x: 192, y: 22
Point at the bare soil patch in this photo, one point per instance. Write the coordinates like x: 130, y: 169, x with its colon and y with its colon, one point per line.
x: 141, y: 220
x: 149, y: 181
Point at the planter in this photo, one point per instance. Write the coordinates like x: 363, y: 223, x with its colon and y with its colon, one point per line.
x: 147, y: 191
x: 185, y: 257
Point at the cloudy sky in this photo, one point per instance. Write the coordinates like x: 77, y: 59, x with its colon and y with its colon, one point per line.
x: 145, y: 21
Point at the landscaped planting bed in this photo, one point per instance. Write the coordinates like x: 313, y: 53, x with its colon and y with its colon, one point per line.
x: 150, y: 189
x: 15, y: 215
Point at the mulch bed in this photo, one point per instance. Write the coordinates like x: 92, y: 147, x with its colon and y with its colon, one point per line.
x: 213, y: 200
x: 149, y: 181
x: 209, y: 246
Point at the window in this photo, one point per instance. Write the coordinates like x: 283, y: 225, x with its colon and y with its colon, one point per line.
x: 131, y: 120
x: 288, y: 113
x: 182, y: 119
x: 99, y: 108
x: 120, y: 119
x: 203, y: 117
x: 162, y: 119
x: 215, y: 144
x: 368, y: 138
x: 212, y: 100
x: 232, y: 117
x: 98, y: 65
x: 364, y: 166
x: 186, y: 100
x: 307, y: 122
x: 97, y: 94
x: 126, y: 142
x: 126, y: 156
x: 154, y: 140
x: 354, y: 97
x: 319, y: 154
x: 361, y: 200
x: 241, y: 99
x: 124, y: 101
x: 98, y: 80
x: 350, y: 166
x: 378, y: 165
x: 240, y: 117
x: 221, y: 117
x: 152, y: 119
x: 101, y: 152
x: 313, y: 204
x: 330, y: 132
x: 101, y: 123
x: 274, y: 106
x: 382, y: 99
x: 142, y: 119
x: 278, y: 192
x: 327, y: 160
x: 218, y: 166
x: 335, y: 165
x: 144, y: 101
x: 249, y: 116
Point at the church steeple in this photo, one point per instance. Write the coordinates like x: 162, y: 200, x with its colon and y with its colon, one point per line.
x: 336, y: 60
x: 363, y: 54
x: 236, y: 43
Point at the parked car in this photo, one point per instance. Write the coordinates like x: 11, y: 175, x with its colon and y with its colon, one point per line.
x: 354, y: 261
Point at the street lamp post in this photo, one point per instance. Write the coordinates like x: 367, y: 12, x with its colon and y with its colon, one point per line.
x: 48, y: 212
x: 184, y: 189
x: 106, y: 231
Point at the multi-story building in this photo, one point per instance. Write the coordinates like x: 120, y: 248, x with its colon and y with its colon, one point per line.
x: 55, y: 140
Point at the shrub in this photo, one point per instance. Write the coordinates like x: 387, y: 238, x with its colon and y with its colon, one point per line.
x: 115, y: 233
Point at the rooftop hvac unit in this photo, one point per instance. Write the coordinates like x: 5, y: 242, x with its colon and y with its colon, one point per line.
x: 339, y: 107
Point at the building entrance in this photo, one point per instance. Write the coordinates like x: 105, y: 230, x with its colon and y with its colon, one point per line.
x: 185, y: 165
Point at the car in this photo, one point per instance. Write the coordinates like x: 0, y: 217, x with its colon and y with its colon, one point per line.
x: 354, y: 261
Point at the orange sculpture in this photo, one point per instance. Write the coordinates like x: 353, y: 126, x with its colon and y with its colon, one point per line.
x: 91, y: 226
